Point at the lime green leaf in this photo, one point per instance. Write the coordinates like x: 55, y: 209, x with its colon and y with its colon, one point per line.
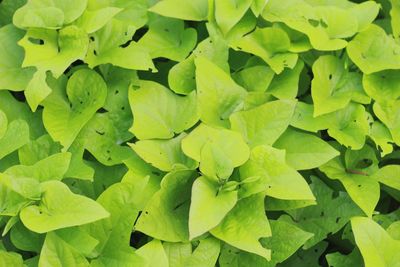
x: 327, y: 217
x: 389, y: 175
x: 304, y: 151
x: 208, y: 206
x: 349, y: 126
x: 16, y: 136
x: 325, y: 26
x: 113, y: 44
x: 154, y: 253
x: 12, y: 75
x: 181, y: 77
x: 333, y: 87
x: 92, y: 21
x: 264, y: 124
x: 278, y: 179
x: 382, y: 86
x: 54, y: 50
x: 166, y: 217
x: 168, y: 38
x: 303, y: 118
x: 389, y: 114
x: 196, y: 10
x: 373, y: 50
x: 377, y: 247
x: 11, y: 259
x: 244, y: 225
x: 254, y: 78
x: 52, y: 168
x: 363, y: 189
x: 272, y: 45
x: 382, y: 138
x: 51, y: 15
x: 60, y: 208
x: 228, y: 13
x: 218, y: 95
x: 286, y: 84
x: 119, y: 258
x: 177, y: 253
x: 113, y: 233
x: 37, y: 90
x: 156, y: 110
x: 64, y: 118
x: 206, y: 253
x: 100, y: 137
x: 217, y: 150
x: 58, y: 253
x: 165, y: 155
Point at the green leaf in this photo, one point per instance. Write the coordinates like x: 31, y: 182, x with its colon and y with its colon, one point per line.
x: 333, y: 87
x: 377, y: 247
x: 60, y: 208
x: 264, y: 124
x: 309, y: 257
x: 327, y: 217
x: 339, y: 260
x: 304, y: 151
x: 218, y: 95
x: 373, y: 50
x: 166, y: 217
x: 168, y: 38
x: 208, y: 206
x: 156, y: 110
x: 278, y: 179
x: 7, y: 10
x: 24, y: 239
x: 363, y: 189
x: 270, y: 44
x: 244, y: 225
x: 53, y: 167
x: 54, y: 50
x: 12, y: 75
x: 196, y: 10
x: 293, y: 238
x: 217, y: 150
x: 65, y: 117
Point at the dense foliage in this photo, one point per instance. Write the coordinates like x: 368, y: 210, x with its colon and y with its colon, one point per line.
x: 201, y: 133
